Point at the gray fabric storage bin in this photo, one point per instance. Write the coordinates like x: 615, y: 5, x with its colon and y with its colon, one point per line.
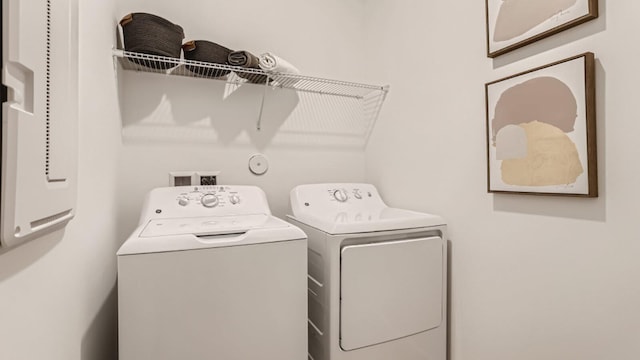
x: 206, y: 51
x: 150, y: 34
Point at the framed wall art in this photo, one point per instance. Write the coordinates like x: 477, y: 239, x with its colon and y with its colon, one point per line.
x: 515, y: 23
x: 541, y: 130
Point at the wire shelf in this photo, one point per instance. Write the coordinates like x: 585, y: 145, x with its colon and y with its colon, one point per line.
x: 367, y: 99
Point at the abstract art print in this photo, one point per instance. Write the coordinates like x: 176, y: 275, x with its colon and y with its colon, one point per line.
x: 515, y: 23
x: 541, y: 130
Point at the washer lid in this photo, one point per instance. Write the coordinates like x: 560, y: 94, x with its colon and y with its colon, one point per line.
x: 209, y: 225
x: 164, y: 235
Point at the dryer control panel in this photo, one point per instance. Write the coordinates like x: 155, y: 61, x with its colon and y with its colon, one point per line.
x: 352, y: 208
x: 200, y: 201
x: 354, y: 193
x: 330, y: 197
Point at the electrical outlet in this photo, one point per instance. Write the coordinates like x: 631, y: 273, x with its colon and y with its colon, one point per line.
x: 182, y: 181
x: 190, y: 178
x: 208, y: 180
x: 181, y: 178
x: 207, y: 177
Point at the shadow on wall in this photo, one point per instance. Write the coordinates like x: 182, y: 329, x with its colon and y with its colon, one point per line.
x: 156, y: 108
x: 100, y: 341
x: 16, y: 259
x: 186, y: 110
x: 558, y: 40
x: 594, y: 209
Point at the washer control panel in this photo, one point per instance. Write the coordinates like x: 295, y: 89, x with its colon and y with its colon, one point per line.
x: 210, y: 196
x: 193, y: 201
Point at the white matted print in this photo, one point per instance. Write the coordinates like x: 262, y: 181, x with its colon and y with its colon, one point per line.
x: 515, y: 23
x: 541, y: 130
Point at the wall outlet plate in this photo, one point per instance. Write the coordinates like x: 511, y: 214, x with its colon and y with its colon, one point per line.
x: 193, y: 178
x: 207, y: 177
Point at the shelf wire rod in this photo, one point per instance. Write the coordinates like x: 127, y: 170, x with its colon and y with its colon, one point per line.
x: 264, y: 95
x: 376, y: 113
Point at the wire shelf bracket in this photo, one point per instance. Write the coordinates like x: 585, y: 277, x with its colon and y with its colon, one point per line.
x: 369, y: 97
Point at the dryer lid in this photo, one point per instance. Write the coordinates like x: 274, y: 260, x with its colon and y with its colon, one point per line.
x: 352, y: 208
x: 351, y: 222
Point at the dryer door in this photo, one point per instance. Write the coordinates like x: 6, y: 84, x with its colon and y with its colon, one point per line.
x: 390, y: 290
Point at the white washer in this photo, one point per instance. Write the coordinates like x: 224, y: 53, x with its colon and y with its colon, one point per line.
x: 377, y: 275
x: 211, y: 274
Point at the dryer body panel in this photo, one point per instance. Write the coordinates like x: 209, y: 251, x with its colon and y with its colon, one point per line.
x: 390, y: 290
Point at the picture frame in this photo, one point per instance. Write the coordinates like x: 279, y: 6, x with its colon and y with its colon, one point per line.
x: 512, y: 24
x: 541, y: 130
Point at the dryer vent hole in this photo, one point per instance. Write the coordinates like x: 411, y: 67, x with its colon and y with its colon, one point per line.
x: 258, y: 164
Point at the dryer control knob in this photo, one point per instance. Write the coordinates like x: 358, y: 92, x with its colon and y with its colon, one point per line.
x: 234, y: 199
x: 209, y: 200
x: 183, y: 201
x: 340, y: 195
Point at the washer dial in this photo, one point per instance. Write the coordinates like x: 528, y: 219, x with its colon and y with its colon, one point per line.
x: 209, y: 200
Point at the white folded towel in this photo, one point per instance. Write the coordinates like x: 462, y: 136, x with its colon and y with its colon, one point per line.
x: 272, y: 63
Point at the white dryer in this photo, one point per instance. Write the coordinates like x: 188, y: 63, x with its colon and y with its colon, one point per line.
x: 211, y: 274
x: 377, y: 275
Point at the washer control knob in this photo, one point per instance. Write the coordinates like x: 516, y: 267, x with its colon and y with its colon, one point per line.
x: 183, y: 201
x: 340, y: 195
x: 234, y: 199
x: 356, y: 194
x: 209, y: 200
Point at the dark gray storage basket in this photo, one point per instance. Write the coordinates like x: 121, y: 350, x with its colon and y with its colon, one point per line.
x: 153, y: 35
x: 206, y: 51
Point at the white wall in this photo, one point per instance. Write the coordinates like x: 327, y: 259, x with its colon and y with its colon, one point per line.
x: 57, y: 294
x: 532, y: 277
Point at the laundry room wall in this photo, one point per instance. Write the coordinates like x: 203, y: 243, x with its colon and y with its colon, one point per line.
x: 183, y: 124
x: 57, y: 293
x: 532, y: 278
